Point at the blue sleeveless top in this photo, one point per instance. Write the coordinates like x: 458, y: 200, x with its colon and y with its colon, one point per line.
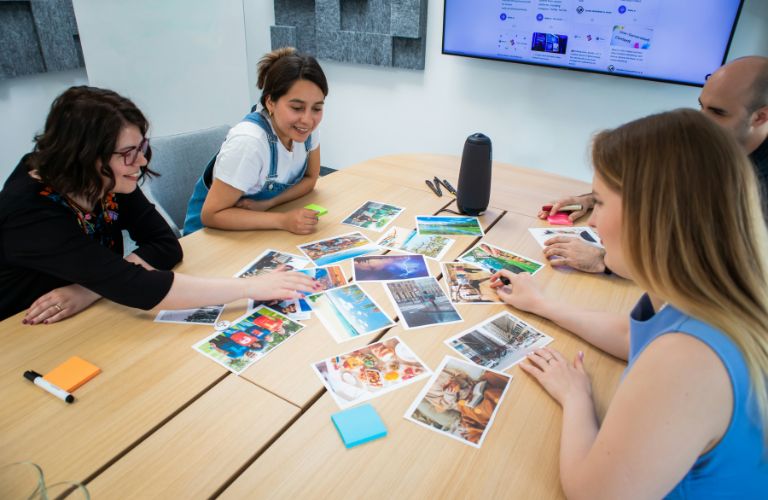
x: 736, y: 467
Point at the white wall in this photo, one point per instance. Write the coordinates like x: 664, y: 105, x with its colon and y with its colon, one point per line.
x: 182, y: 62
x: 536, y: 117
x: 24, y: 104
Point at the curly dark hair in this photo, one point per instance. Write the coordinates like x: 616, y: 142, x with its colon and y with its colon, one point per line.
x: 81, y: 131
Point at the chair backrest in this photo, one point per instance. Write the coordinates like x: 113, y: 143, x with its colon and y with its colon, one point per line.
x: 180, y: 160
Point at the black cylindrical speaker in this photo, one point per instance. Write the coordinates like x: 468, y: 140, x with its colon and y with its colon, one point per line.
x: 474, y: 190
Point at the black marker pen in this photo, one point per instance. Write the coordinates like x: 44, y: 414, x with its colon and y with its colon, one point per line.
x: 39, y: 381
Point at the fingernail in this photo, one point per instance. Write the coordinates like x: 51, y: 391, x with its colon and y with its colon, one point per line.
x: 45, y: 321
x: 24, y: 321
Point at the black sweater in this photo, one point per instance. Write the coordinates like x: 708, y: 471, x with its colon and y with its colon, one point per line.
x: 42, y: 247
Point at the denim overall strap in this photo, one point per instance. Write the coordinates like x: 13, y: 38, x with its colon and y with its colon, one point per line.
x: 260, y: 119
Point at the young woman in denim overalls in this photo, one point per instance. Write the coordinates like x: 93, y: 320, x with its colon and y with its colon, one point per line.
x: 269, y: 158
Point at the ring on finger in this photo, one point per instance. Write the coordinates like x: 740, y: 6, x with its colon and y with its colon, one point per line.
x: 58, y: 308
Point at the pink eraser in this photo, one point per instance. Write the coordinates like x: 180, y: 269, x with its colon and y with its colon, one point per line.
x: 560, y: 219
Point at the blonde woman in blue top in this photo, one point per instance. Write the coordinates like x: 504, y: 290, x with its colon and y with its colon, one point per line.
x: 271, y: 157
x: 679, y: 213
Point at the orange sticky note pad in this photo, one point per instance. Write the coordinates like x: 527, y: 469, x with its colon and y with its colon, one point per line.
x: 72, y: 373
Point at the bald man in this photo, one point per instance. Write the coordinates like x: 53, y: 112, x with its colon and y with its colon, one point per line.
x: 736, y: 98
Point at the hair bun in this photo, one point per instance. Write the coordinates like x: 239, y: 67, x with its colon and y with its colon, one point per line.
x: 268, y: 61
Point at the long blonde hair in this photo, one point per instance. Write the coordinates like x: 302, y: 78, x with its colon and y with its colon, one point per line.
x: 694, y: 232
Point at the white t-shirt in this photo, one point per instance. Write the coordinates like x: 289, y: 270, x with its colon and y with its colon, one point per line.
x: 244, y: 159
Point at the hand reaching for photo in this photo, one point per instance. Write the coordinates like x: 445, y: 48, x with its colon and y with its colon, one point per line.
x: 59, y: 304
x: 281, y: 285
x: 574, y: 253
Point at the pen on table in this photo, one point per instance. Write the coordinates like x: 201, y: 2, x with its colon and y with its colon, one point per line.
x: 434, y: 187
x: 39, y: 381
x: 449, y: 187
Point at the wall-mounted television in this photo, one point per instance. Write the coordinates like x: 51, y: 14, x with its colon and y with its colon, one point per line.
x: 677, y: 41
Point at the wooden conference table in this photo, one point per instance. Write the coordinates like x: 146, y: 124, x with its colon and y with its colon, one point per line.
x: 161, y: 420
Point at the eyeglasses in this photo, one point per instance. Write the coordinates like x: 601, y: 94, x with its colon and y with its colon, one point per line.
x: 129, y: 157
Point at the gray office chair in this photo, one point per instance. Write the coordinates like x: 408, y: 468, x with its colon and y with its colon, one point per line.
x: 180, y: 160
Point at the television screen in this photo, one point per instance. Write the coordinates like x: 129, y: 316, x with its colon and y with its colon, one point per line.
x: 679, y: 41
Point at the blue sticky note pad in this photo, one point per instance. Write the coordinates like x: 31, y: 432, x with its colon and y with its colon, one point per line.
x: 359, y: 425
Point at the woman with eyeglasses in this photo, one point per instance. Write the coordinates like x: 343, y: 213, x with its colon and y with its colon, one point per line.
x: 271, y: 157
x: 63, y: 209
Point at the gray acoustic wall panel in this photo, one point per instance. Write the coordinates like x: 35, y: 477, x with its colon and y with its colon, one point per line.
x: 38, y: 36
x: 380, y: 32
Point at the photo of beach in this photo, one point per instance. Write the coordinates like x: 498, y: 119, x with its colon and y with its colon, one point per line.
x: 338, y: 248
x: 348, y: 312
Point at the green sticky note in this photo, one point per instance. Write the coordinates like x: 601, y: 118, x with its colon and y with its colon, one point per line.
x: 317, y: 208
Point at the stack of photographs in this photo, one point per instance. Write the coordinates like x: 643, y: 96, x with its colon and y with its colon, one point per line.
x: 495, y: 259
x: 410, y: 241
x: 338, y: 248
x: 421, y: 302
x: 370, y: 371
x: 348, y: 312
x: 373, y: 215
x: 248, y: 339
x: 460, y: 401
x: 499, y: 342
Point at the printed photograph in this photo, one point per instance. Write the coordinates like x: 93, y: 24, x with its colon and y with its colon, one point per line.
x: 328, y: 276
x: 271, y: 260
x: 448, y: 225
x: 208, y: 315
x: 373, y: 215
x: 499, y: 342
x: 409, y: 240
x: 460, y: 401
x: 348, y: 312
x: 370, y: 371
x: 586, y: 233
x: 248, y: 339
x: 469, y: 284
x: 338, y: 248
x: 389, y: 267
x: 421, y: 302
x: 495, y: 259
x: 291, y: 308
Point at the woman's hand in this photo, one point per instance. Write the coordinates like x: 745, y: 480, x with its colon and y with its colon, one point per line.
x: 254, y: 205
x: 59, y: 304
x: 281, y: 285
x: 521, y: 292
x: 562, y: 380
x: 300, y: 221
